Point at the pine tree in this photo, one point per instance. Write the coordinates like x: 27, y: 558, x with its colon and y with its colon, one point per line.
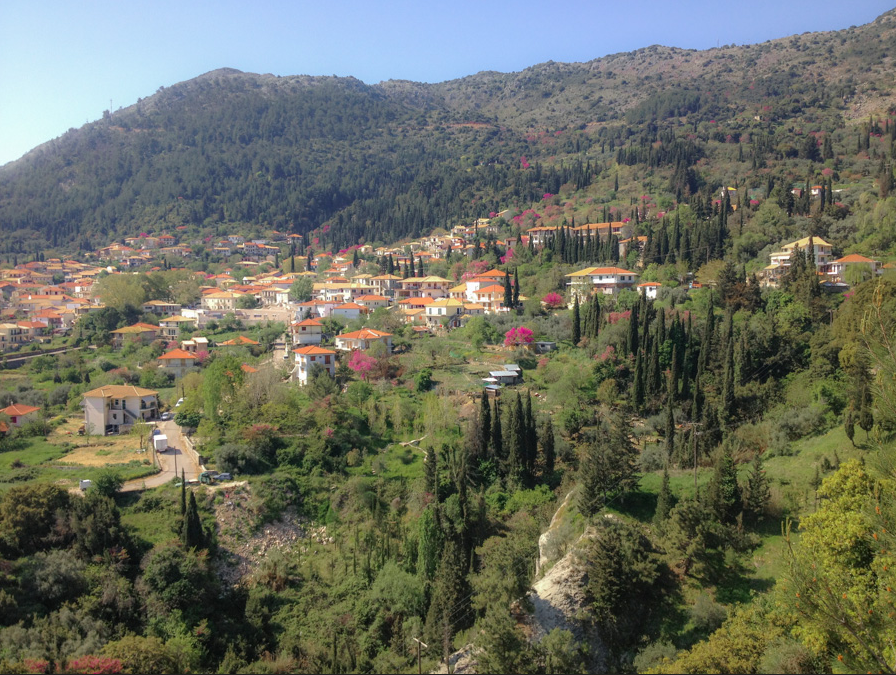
x: 450, y: 599
x: 724, y: 492
x: 664, y: 501
x: 757, y: 492
x: 576, y: 322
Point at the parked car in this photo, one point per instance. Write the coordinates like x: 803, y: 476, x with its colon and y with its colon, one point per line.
x: 166, y: 416
x: 223, y: 476
x: 156, y: 431
x: 179, y: 402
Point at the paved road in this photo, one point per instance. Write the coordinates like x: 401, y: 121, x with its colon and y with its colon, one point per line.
x: 171, y: 462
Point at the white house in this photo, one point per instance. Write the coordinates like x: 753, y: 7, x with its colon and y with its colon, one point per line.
x: 444, y: 310
x: 349, y: 310
x: 837, y: 272
x: 20, y: 414
x: 308, y: 356
x: 114, y: 407
x: 649, y: 289
x: 307, y: 332
x: 362, y: 339
x: 605, y: 280
x: 177, y: 362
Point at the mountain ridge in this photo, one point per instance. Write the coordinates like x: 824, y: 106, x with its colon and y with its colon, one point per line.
x: 301, y: 152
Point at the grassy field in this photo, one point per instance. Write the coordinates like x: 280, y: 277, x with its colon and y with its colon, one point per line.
x: 64, y: 458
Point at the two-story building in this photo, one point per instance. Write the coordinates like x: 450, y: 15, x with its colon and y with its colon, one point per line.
x: 307, y: 332
x: 177, y: 362
x: 603, y: 280
x: 172, y: 326
x: 820, y: 251
x: 139, y: 332
x: 115, y: 408
x: 309, y: 356
x: 444, y: 312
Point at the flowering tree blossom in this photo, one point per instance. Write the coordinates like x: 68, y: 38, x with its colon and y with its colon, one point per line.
x: 552, y: 300
x: 361, y: 363
x: 517, y: 337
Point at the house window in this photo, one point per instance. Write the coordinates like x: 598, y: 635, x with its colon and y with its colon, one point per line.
x: 327, y: 360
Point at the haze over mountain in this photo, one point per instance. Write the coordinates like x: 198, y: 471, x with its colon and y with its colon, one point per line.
x: 380, y: 162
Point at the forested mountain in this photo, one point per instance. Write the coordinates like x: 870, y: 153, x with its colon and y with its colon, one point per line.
x: 381, y: 162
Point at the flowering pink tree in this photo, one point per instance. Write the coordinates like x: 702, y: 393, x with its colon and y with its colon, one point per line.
x: 552, y: 300
x: 361, y: 363
x: 103, y: 665
x: 517, y: 337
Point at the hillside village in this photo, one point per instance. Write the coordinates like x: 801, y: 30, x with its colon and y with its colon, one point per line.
x: 587, y: 368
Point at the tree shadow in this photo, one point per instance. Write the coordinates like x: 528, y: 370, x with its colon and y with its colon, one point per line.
x: 638, y: 505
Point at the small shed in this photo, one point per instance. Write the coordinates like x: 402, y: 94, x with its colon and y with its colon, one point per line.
x: 545, y: 347
x: 503, y: 376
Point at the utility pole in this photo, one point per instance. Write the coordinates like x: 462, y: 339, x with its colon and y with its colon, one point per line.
x: 419, y: 662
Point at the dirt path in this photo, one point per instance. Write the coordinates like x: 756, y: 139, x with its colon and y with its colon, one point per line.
x: 171, y: 462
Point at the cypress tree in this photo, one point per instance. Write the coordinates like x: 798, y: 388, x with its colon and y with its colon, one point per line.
x: 547, y: 447
x: 193, y: 536
x: 412, y: 272
x: 632, y: 343
x: 675, y: 375
x: 638, y: 385
x: 508, y: 291
x: 485, y: 423
x: 516, y: 451
x: 431, y: 473
x: 516, y: 288
x: 727, y: 405
x: 576, y: 322
x: 531, y: 437
x: 654, y: 374
x: 497, y: 437
x: 670, y: 429
x: 391, y: 265
x: 183, y: 494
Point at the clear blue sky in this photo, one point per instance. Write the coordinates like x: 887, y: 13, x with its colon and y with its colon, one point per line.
x: 61, y: 62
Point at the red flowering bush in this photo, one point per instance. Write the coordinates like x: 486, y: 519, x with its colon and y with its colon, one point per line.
x: 361, y: 363
x: 552, y: 300
x: 101, y: 665
x: 516, y: 337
